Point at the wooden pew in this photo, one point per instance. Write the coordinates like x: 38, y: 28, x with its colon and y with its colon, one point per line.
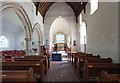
x: 81, y: 60
x: 47, y: 59
x: 36, y: 58
x: 91, y: 70
x: 37, y: 66
x: 110, y: 77
x: 77, y: 55
x: 14, y: 76
x: 71, y: 56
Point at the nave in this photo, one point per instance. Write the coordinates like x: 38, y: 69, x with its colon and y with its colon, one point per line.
x: 59, y: 41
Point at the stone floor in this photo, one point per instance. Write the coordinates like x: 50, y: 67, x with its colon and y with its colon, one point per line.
x: 61, y: 71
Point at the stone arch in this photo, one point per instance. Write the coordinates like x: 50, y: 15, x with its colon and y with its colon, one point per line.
x: 64, y: 29
x: 64, y: 19
x: 15, y: 7
x: 40, y: 37
x: 67, y: 13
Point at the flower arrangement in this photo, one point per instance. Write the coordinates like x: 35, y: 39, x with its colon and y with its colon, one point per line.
x: 34, y: 49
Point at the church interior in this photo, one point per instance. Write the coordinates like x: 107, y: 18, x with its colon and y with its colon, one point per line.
x: 60, y: 41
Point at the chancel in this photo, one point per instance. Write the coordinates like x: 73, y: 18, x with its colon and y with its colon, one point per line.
x: 59, y: 41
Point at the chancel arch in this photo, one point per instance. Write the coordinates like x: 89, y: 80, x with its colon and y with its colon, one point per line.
x: 65, y: 11
x: 16, y: 8
x: 59, y: 27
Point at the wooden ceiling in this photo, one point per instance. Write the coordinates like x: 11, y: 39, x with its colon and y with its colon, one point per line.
x: 43, y: 7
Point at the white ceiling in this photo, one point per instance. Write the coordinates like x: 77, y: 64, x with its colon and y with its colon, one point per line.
x: 60, y: 25
x: 11, y: 23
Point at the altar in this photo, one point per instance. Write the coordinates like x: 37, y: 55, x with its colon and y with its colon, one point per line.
x: 56, y: 57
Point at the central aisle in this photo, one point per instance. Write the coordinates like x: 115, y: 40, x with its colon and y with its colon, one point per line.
x: 61, y: 71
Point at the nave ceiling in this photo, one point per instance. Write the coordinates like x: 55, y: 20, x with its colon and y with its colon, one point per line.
x: 43, y: 7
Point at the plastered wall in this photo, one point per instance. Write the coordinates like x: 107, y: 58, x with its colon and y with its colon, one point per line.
x: 102, y: 30
x: 20, y: 41
x: 15, y: 41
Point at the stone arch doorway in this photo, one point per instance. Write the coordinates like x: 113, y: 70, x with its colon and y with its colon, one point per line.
x: 40, y: 37
x: 15, y: 7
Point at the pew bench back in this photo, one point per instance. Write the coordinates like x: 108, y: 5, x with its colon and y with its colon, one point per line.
x: 93, y: 69
x: 37, y: 66
x: 23, y: 76
x: 109, y: 77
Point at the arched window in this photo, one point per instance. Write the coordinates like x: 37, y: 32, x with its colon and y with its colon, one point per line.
x: 83, y: 33
x: 60, y: 38
x: 94, y: 6
x: 3, y: 42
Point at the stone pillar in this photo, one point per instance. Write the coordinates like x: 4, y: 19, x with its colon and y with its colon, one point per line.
x: 39, y: 47
x: 42, y: 47
x: 28, y: 46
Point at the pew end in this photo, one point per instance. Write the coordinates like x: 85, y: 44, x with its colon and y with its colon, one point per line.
x: 109, y: 77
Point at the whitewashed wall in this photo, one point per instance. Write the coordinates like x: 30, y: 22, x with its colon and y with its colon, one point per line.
x: 20, y: 40
x: 15, y: 41
x: 102, y: 30
x: 64, y: 10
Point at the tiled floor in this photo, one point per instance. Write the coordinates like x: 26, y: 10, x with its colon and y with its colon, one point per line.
x: 61, y: 71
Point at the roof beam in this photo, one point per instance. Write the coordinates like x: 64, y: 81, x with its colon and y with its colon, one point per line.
x: 43, y: 7
x: 37, y: 6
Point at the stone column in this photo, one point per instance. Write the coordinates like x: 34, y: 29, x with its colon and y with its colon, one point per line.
x: 42, y: 47
x: 39, y: 47
x: 28, y: 46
